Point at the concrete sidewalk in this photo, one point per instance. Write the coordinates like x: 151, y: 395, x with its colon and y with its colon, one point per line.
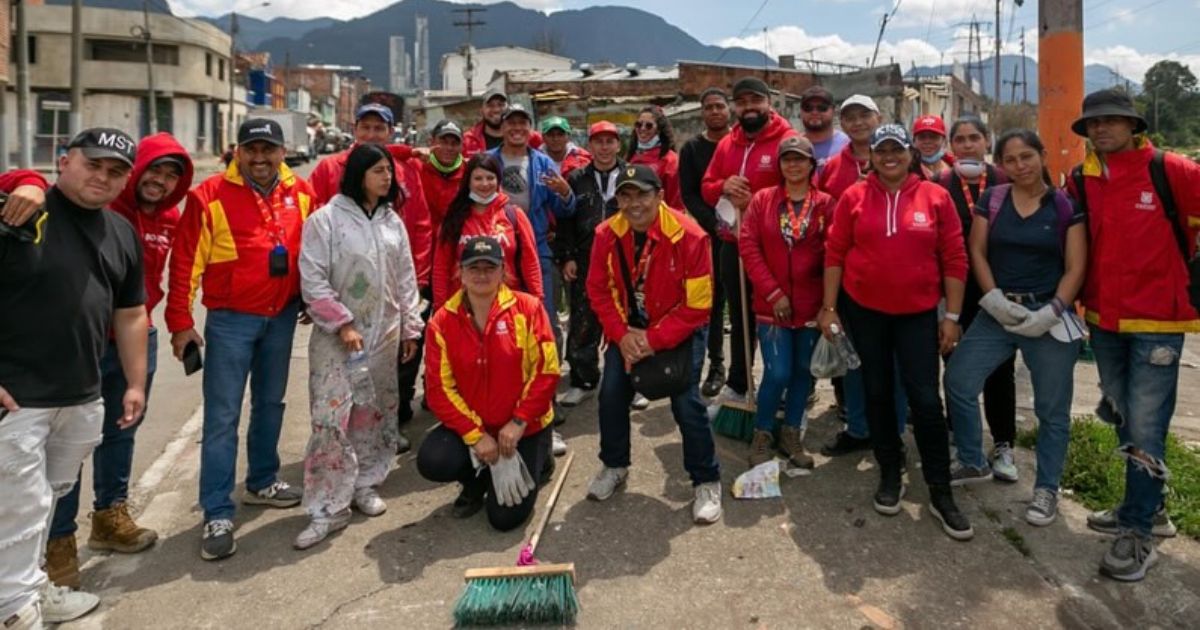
x: 818, y: 558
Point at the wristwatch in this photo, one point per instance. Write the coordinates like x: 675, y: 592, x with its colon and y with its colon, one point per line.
x: 519, y: 422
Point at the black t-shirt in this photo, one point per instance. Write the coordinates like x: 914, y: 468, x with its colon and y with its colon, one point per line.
x: 492, y: 141
x: 57, y: 299
x: 1026, y: 254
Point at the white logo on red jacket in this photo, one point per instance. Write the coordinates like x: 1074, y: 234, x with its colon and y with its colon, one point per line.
x: 765, y: 163
x: 1146, y: 201
x: 920, y: 218
x: 501, y: 327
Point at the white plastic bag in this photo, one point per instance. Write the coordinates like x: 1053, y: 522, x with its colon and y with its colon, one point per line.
x: 760, y: 482
x: 827, y: 362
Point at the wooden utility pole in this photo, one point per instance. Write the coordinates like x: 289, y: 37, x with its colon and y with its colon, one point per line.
x: 996, y: 67
x: 469, y: 23
x: 1060, y: 82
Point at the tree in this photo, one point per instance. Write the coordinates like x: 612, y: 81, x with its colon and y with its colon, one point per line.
x: 1170, y: 101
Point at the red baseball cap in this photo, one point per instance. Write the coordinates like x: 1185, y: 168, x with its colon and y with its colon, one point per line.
x: 603, y: 127
x: 930, y: 123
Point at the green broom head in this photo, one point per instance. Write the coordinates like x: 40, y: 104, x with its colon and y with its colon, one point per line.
x: 544, y: 598
x: 735, y: 420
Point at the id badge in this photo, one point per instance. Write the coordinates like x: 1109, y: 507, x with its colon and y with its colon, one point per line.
x: 278, y: 262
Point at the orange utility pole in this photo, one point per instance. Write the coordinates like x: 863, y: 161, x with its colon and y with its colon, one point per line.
x: 1060, y: 82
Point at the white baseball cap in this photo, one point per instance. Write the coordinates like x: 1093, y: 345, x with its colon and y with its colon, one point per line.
x: 862, y: 101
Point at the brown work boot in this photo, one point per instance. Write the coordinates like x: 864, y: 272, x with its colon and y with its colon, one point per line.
x: 791, y: 442
x: 114, y: 530
x: 62, y: 561
x: 760, y: 448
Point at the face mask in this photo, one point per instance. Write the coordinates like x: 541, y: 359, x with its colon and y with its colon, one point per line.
x: 935, y: 158
x: 483, y: 201
x: 753, y: 124
x: 646, y: 146
x: 968, y: 168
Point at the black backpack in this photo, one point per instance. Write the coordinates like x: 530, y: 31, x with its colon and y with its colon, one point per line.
x: 1162, y: 188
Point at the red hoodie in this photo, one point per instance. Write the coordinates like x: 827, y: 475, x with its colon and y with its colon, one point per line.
x: 841, y: 172
x: 326, y: 180
x: 155, y: 229
x: 667, y: 168
x: 440, y: 189
x: 754, y: 159
x: 776, y: 269
x: 895, y: 248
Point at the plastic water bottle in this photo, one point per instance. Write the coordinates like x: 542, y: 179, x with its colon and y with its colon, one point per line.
x: 362, y: 387
x: 842, y: 343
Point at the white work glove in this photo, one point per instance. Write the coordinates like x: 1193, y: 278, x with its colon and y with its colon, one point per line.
x: 511, y: 481
x: 1003, y: 310
x: 1039, y: 323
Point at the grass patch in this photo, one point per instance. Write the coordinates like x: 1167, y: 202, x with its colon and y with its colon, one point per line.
x: 1017, y: 541
x: 1096, y: 475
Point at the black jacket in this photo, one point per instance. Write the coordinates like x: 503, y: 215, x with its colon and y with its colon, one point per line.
x: 574, y: 235
x: 694, y: 157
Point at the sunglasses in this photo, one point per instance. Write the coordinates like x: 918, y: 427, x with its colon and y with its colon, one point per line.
x: 644, y: 125
x: 823, y: 107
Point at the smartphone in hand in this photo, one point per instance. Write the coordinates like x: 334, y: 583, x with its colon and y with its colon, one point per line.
x: 192, y: 361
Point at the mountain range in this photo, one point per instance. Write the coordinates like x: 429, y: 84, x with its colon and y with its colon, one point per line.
x: 596, y: 34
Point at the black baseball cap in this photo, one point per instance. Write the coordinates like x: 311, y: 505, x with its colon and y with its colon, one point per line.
x: 515, y: 109
x: 891, y: 133
x: 482, y: 248
x: 105, y: 142
x: 263, y: 129
x: 816, y: 93
x: 753, y: 85
x: 447, y: 128
x: 639, y: 175
x: 494, y: 93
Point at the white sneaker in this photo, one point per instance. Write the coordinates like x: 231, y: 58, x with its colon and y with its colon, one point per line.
x: 706, y: 507
x: 29, y: 617
x: 639, y: 403
x: 558, y: 446
x: 574, y: 396
x: 320, y: 528
x: 368, y: 502
x: 728, y: 395
x: 60, y: 604
x: 606, y: 482
x: 1004, y: 467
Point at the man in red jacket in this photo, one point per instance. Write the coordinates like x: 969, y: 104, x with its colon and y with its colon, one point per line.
x: 487, y: 134
x: 239, y: 240
x: 859, y: 117
x: 442, y: 172
x: 744, y: 163
x: 1136, y: 295
x: 567, y: 156
x: 161, y: 176
x: 669, y: 265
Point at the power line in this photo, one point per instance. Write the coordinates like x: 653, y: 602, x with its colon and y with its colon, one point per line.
x: 1121, y: 15
x: 745, y: 28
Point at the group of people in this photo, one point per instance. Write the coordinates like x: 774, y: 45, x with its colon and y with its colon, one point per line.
x: 927, y: 257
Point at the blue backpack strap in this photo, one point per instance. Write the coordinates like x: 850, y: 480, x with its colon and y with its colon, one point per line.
x: 996, y: 196
x: 1066, y: 210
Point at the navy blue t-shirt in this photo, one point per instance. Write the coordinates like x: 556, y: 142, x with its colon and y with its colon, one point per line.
x: 1026, y: 255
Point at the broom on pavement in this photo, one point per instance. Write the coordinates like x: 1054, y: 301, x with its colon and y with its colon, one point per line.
x: 529, y: 593
x: 736, y: 419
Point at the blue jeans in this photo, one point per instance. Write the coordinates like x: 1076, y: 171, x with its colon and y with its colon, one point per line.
x: 787, y: 353
x: 112, y: 461
x: 1051, y: 363
x: 1139, y: 377
x: 856, y: 405
x: 240, y: 346
x: 616, y: 392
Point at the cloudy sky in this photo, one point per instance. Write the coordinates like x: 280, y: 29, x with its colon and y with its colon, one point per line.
x: 1127, y: 35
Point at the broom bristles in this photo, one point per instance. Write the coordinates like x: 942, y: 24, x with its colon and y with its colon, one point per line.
x: 735, y: 420
x: 533, y: 598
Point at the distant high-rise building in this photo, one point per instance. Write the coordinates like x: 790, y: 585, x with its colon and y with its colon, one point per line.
x: 398, y: 61
x: 421, y: 53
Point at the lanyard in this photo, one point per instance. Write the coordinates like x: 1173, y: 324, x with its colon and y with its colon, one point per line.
x: 967, y: 192
x: 270, y: 213
x: 643, y: 263
x: 799, y: 224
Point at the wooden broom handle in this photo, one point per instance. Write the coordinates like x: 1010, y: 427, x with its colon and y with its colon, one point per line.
x: 548, y: 509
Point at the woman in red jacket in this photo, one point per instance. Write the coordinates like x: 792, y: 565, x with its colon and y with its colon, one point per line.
x: 894, y: 250
x: 782, y: 244
x: 653, y: 143
x: 491, y: 370
x: 481, y: 209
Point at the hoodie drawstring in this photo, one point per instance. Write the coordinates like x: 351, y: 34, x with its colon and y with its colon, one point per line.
x: 893, y: 212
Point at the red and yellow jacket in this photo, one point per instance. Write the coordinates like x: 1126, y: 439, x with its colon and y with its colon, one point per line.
x: 476, y: 382
x: 1136, y: 279
x: 777, y: 270
x: 678, y: 282
x: 494, y: 222
x: 326, y: 181
x: 224, y: 241
x: 895, y: 249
